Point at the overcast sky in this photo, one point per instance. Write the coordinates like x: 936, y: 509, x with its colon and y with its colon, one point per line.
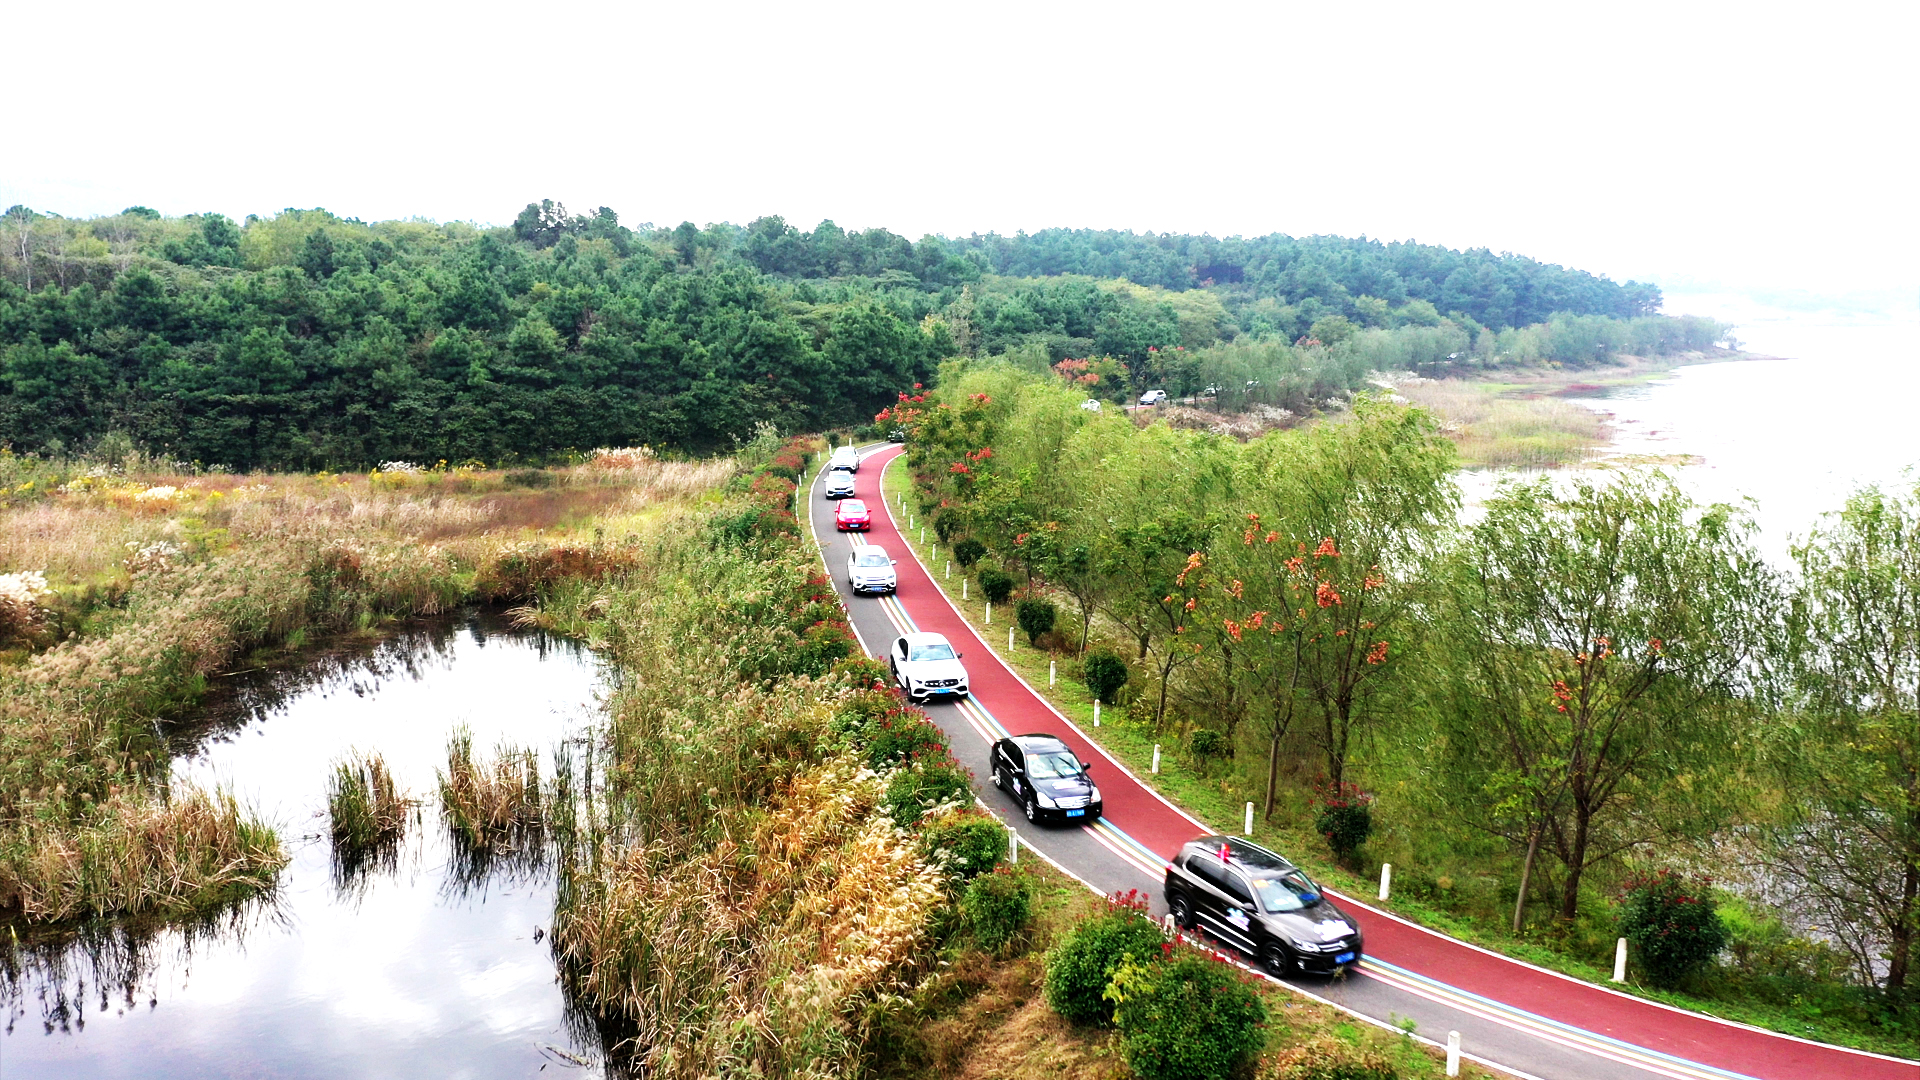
x: 1766, y: 147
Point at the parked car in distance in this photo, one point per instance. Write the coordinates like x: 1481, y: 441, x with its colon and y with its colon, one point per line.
x: 1153, y: 397
x: 897, y: 435
x: 851, y: 515
x: 925, y: 665
x: 1211, y: 391
x: 839, y: 483
x: 1091, y: 405
x: 869, y: 569
x: 1045, y: 776
x: 844, y: 457
x: 1250, y: 897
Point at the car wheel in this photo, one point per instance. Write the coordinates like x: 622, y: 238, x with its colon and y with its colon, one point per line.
x: 1182, y: 911
x: 998, y: 780
x: 1276, y: 961
x: 1033, y: 812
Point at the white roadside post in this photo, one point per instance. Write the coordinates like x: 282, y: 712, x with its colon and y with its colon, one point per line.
x: 949, y: 569
x: 963, y: 588
x: 1620, y: 960
x: 1009, y: 639
x: 909, y: 521
x: 1386, y: 879
x: 1096, y: 712
x: 1249, y: 831
x: 1013, y: 845
x: 1052, y: 672
x: 1453, y: 1053
x: 923, y: 534
x: 1156, y: 759
x: 989, y: 611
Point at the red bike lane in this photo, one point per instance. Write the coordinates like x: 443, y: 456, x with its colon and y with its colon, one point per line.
x: 1417, y: 959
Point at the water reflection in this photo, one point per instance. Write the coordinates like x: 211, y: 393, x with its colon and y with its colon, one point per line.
x: 424, y: 960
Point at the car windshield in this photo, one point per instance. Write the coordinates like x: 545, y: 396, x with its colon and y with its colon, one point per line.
x: 1051, y: 766
x: 870, y: 558
x: 1290, y: 891
x: 851, y: 507
x: 942, y: 651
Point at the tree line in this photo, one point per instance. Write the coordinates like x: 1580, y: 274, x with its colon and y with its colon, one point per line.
x: 305, y: 340
x: 1597, y: 677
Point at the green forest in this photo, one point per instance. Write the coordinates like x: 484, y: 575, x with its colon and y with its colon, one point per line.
x: 306, y: 340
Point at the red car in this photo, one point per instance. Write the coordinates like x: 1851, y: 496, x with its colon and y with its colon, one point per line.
x: 851, y: 515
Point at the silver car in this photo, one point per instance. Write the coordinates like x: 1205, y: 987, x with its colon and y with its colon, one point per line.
x: 845, y: 457
x: 870, y: 570
x: 926, y: 666
x: 839, y: 483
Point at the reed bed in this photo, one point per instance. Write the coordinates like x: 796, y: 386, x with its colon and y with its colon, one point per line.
x: 1502, y: 432
x: 366, y: 811
x: 492, y: 807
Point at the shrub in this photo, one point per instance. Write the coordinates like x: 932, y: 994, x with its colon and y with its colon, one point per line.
x: 1208, y: 743
x: 1081, y: 965
x: 946, y: 524
x: 919, y: 788
x: 1191, y: 1017
x: 1328, y: 1058
x: 1345, y: 818
x: 1672, y: 923
x: 969, y: 551
x: 1036, y: 617
x: 995, y: 585
x: 1105, y: 674
x: 902, y: 735
x: 997, y: 908
x: 968, y: 843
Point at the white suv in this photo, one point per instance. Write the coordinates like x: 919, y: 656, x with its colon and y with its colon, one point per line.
x: 1153, y: 397
x: 926, y: 666
x: 870, y: 570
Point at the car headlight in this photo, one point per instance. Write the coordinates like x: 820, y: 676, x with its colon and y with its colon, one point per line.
x: 1043, y: 798
x: 1093, y: 793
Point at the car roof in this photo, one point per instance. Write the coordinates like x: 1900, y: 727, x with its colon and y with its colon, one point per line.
x: 1040, y: 741
x: 926, y: 637
x: 868, y: 549
x: 840, y: 468
x: 854, y: 503
x: 845, y: 451
x: 1245, y: 853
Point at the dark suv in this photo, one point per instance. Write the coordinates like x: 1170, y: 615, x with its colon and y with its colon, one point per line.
x: 1245, y: 895
x: 1042, y: 772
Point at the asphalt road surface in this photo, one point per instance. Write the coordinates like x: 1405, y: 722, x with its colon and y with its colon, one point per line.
x: 1511, y: 1016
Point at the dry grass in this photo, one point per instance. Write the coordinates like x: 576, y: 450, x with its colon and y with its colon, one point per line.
x: 365, y: 810
x: 492, y: 807
x: 1502, y: 432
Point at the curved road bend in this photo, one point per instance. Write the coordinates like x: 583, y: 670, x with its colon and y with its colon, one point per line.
x: 1511, y: 1016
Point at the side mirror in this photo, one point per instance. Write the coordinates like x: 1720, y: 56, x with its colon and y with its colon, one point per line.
x: 893, y: 562
x: 1085, y: 765
x: 959, y: 656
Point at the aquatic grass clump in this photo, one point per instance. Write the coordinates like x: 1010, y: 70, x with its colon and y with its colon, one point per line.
x: 366, y: 811
x: 492, y: 807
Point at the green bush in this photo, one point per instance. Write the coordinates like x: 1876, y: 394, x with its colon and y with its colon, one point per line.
x: 1208, y: 743
x: 997, y: 908
x: 1083, y: 962
x: 1105, y: 673
x: 918, y: 788
x: 1191, y: 1017
x: 996, y: 585
x: 1036, y: 617
x: 1345, y: 818
x: 946, y: 524
x: 1673, y: 926
x: 970, y: 843
x: 969, y: 551
x: 902, y: 735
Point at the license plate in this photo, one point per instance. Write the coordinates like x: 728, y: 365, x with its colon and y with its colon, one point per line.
x: 943, y: 689
x: 1344, y: 958
x: 1076, y: 813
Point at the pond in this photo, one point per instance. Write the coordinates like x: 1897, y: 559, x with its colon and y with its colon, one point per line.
x: 426, y: 966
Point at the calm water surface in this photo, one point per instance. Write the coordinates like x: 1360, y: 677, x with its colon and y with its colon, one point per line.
x: 1796, y: 435
x: 417, y: 969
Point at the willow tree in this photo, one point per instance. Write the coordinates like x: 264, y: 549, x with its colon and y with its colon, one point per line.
x: 1853, y: 746
x: 1587, y: 664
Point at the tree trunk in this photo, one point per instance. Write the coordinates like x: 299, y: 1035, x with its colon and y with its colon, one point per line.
x: 1576, y: 863
x: 1273, y: 768
x: 1526, y: 875
x: 1900, y: 954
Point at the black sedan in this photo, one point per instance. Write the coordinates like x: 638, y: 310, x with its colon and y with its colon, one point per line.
x: 1244, y: 895
x: 1050, y: 782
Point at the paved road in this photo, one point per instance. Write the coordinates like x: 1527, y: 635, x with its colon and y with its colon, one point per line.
x: 1511, y: 1016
